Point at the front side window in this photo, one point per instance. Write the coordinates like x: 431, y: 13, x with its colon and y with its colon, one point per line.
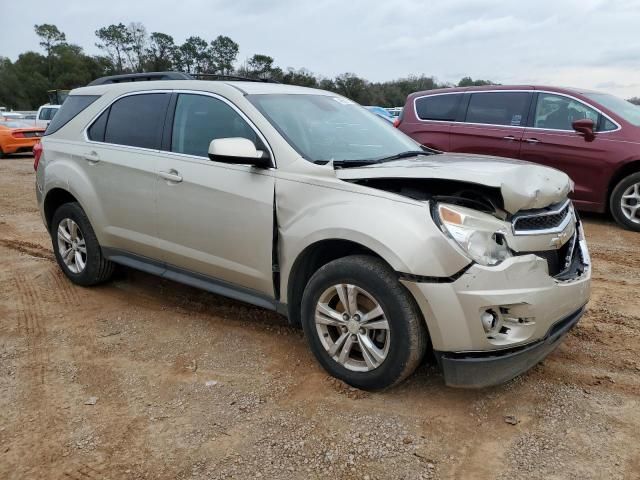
x: 200, y: 119
x: 558, y: 112
x: 498, y: 108
x: 136, y: 120
x: 438, y: 107
x: 322, y: 128
x: 623, y: 108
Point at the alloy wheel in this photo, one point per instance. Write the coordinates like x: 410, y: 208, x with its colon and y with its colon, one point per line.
x: 352, y: 327
x: 71, y: 246
x: 630, y: 203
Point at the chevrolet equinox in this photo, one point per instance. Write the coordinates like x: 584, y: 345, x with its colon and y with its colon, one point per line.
x: 300, y: 201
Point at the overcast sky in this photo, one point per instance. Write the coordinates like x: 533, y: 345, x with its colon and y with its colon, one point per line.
x: 582, y: 43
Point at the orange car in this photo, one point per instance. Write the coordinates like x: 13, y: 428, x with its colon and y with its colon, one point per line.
x: 18, y: 136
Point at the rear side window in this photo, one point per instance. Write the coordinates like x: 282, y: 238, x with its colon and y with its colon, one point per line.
x: 136, y: 120
x: 499, y: 108
x: 97, y: 129
x: 438, y: 107
x: 47, y: 113
x: 72, y: 106
x: 200, y: 119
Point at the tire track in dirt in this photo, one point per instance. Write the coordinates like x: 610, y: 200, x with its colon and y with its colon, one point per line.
x: 87, y: 471
x: 28, y: 248
x: 61, y: 287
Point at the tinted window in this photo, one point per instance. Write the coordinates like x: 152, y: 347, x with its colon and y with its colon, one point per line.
x: 558, y: 112
x: 71, y: 107
x: 137, y: 120
x: 200, y: 119
x: 498, y: 108
x: 47, y: 113
x: 438, y: 107
x: 96, y: 131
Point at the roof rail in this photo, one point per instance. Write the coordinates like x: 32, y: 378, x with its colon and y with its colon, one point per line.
x: 219, y: 76
x: 141, y: 77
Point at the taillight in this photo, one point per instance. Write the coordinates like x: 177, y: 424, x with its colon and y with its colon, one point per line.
x: 37, y: 153
x: 396, y: 122
x: 18, y: 135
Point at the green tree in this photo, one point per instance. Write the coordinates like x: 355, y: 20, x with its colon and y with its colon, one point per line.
x: 136, y: 44
x: 353, y: 87
x: 260, y: 65
x: 114, y: 40
x: 635, y: 100
x: 161, y: 52
x: 301, y: 77
x: 470, y: 82
x: 194, y: 55
x: 50, y: 37
x: 224, y: 52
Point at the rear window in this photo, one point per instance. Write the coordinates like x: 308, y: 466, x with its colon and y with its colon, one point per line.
x: 499, y: 108
x: 72, y: 106
x: 136, y: 121
x: 438, y: 107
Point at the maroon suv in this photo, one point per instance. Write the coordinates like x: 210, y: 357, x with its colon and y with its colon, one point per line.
x: 593, y: 137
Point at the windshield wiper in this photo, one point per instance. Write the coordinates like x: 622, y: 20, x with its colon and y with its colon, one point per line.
x: 407, y: 154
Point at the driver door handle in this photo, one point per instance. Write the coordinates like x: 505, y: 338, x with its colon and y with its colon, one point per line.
x: 92, y: 157
x: 532, y: 140
x: 171, y: 176
x: 509, y: 138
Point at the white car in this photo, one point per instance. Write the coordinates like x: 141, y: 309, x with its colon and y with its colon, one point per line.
x: 45, y: 114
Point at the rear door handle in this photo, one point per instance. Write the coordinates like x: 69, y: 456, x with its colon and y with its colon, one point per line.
x: 510, y: 138
x: 92, y: 157
x: 171, y: 176
x: 532, y: 140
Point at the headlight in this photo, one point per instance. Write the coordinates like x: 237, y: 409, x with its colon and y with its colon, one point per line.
x: 480, y: 235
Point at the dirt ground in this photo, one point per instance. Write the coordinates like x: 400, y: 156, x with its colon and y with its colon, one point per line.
x: 191, y: 385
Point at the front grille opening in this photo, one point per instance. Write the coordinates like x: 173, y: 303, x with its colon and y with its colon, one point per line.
x: 546, y: 219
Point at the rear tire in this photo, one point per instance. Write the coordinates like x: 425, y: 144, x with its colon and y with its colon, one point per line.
x: 76, y: 247
x: 625, y: 202
x: 383, y: 349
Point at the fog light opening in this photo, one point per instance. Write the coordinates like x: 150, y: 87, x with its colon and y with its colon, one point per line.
x: 489, y: 320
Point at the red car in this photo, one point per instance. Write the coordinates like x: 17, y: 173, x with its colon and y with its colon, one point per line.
x: 593, y: 137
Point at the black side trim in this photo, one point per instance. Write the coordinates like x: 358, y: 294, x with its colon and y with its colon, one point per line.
x: 422, y: 279
x: 210, y: 284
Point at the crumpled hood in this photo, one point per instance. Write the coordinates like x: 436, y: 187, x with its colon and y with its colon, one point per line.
x: 523, y: 185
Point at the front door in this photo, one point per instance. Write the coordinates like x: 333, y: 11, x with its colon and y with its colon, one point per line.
x: 493, y: 125
x: 552, y: 141
x: 215, y: 219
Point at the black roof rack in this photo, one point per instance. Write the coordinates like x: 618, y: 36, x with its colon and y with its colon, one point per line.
x: 237, y: 78
x: 141, y: 77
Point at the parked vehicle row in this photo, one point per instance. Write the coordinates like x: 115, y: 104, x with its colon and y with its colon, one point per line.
x: 18, y: 136
x: 301, y: 201
x: 593, y: 137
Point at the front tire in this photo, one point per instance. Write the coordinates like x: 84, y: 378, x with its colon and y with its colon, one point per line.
x: 361, y: 324
x: 625, y: 202
x: 76, y: 247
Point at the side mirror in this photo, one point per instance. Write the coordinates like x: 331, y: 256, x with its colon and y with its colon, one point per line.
x: 585, y: 127
x: 238, y: 151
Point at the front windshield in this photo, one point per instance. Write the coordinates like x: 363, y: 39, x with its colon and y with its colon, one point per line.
x: 324, y: 128
x: 623, y: 108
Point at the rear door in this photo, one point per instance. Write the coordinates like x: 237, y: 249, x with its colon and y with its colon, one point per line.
x: 433, y: 117
x: 552, y: 141
x: 121, y: 160
x: 493, y: 123
x: 216, y: 219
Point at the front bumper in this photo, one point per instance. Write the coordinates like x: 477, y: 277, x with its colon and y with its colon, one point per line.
x: 477, y: 370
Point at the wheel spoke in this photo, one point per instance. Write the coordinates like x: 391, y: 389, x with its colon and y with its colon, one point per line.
x: 74, y: 230
x: 79, y: 262
x: 67, y: 255
x: 63, y: 235
x: 328, y: 316
x: 372, y: 314
x: 381, y: 324
x: 346, y: 349
x: 373, y: 356
x: 338, y: 343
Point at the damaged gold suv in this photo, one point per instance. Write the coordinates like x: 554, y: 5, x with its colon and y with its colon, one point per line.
x: 301, y: 201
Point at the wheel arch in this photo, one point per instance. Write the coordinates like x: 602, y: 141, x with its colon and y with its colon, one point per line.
x: 53, y: 200
x: 309, y: 260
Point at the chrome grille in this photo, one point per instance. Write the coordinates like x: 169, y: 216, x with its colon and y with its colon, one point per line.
x: 542, y: 221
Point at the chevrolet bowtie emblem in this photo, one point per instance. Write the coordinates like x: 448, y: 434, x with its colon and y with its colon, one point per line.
x: 559, y: 240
